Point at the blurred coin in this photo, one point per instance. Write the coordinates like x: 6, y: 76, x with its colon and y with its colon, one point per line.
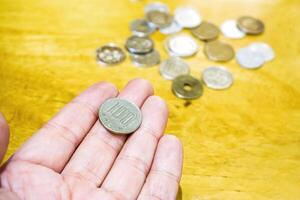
x: 264, y: 49
x: 250, y: 25
x: 187, y: 17
x: 218, y: 51
x: 110, y: 54
x: 173, y: 67
x: 120, y: 116
x: 187, y: 87
x: 171, y: 29
x: 156, y: 6
x: 139, y: 45
x: 206, y: 31
x: 249, y: 59
x: 141, y: 28
x: 159, y: 18
x: 217, y: 78
x: 181, y: 45
x: 145, y: 60
x: 230, y: 30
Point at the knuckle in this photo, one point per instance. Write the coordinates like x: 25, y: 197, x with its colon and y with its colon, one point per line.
x: 105, y: 85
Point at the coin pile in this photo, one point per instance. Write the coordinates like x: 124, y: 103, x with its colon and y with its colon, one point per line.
x: 142, y: 52
x: 141, y: 47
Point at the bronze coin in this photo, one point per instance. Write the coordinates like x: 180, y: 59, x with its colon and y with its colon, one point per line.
x: 187, y: 87
x: 250, y: 25
x: 206, y: 31
x: 159, y: 18
x: 218, y: 51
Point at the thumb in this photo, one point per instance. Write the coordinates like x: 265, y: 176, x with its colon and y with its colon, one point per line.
x: 4, y: 136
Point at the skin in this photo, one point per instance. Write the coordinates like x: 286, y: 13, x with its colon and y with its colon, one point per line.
x: 74, y: 157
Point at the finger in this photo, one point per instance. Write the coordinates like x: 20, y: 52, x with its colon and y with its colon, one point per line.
x: 97, y: 152
x: 128, y: 173
x: 4, y: 136
x: 7, y: 195
x: 53, y: 145
x: 164, y: 176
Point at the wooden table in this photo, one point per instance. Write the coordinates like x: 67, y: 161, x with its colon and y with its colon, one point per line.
x: 242, y: 143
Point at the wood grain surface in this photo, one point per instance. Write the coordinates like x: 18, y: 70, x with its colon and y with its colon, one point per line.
x: 241, y: 143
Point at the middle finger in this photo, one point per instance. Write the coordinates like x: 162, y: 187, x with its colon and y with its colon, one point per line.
x: 94, y: 157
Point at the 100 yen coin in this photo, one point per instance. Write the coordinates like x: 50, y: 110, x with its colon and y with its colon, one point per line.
x: 120, y: 116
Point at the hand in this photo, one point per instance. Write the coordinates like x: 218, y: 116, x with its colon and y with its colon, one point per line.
x: 74, y: 157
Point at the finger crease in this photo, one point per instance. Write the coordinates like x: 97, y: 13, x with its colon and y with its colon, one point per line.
x: 165, y: 173
x: 152, y: 196
x: 70, y: 137
x: 78, y: 176
x: 87, y: 106
x: 116, y: 195
x: 137, y: 163
x: 111, y: 146
x: 150, y: 131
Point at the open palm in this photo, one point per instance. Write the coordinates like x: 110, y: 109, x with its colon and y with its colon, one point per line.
x: 74, y: 157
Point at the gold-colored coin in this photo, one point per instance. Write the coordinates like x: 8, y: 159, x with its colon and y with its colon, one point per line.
x: 206, y: 31
x: 159, y: 19
x: 218, y: 51
x: 187, y: 87
x: 250, y: 25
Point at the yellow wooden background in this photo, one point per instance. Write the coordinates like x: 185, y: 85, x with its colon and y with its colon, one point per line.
x: 242, y: 143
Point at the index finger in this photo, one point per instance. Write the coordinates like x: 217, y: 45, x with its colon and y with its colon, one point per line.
x: 53, y: 145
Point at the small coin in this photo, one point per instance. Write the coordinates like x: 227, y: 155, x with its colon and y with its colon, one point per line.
x: 230, y: 30
x: 250, y: 25
x: 187, y: 87
x: 156, y: 6
x: 120, y: 116
x: 146, y: 60
x: 187, y: 17
x: 264, y: 49
x: 217, y: 78
x: 181, y: 45
x: 206, y: 31
x: 110, y: 54
x: 249, y: 59
x: 173, y: 67
x: 159, y: 18
x: 218, y: 51
x: 171, y: 29
x: 141, y: 28
x: 139, y: 45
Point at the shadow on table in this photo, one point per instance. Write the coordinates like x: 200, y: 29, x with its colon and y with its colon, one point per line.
x: 179, y: 195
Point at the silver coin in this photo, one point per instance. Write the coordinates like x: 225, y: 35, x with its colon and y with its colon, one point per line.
x: 230, y: 30
x: 181, y: 45
x: 217, y: 78
x: 173, y: 67
x: 139, y: 45
x: 156, y: 6
x: 110, y: 54
x: 187, y: 17
x: 120, y: 116
x: 145, y: 60
x: 141, y: 28
x: 249, y: 59
x: 264, y: 49
x: 172, y: 29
